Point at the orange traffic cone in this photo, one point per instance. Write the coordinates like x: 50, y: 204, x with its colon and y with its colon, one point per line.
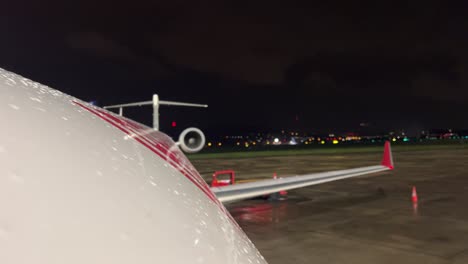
x: 414, y: 195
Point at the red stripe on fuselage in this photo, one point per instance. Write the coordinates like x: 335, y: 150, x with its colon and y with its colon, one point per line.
x: 181, y: 164
x: 157, y: 145
x: 121, y: 125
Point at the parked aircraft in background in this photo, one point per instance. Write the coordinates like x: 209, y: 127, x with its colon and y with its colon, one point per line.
x: 79, y: 184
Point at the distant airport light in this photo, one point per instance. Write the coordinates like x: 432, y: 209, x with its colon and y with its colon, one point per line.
x: 219, y: 144
x: 393, y: 139
x: 335, y: 141
x: 276, y: 140
x: 209, y: 144
x: 322, y: 142
x: 174, y: 124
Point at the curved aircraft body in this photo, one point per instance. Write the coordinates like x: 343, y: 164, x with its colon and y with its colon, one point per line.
x: 79, y: 184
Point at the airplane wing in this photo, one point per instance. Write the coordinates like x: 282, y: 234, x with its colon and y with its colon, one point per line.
x: 242, y: 191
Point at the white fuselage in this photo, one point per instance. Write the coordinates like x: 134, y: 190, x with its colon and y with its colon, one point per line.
x: 81, y: 185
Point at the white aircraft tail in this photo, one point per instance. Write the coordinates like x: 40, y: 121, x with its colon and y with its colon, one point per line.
x: 155, y: 102
x: 191, y: 140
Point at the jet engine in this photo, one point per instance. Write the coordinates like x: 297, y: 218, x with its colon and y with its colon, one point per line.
x: 191, y: 140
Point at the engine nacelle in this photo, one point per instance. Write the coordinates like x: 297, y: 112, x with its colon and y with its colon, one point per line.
x: 191, y: 140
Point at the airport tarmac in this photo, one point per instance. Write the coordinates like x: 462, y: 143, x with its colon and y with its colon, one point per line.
x: 369, y: 219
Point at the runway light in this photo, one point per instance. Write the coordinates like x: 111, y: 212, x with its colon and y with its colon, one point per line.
x: 393, y: 139
x: 322, y: 142
x: 335, y: 141
x: 209, y: 144
x: 276, y: 140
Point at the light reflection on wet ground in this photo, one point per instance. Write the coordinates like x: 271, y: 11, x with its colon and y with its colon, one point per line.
x: 363, y: 220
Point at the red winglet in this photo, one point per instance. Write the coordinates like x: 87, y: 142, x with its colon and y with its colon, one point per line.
x: 387, y: 159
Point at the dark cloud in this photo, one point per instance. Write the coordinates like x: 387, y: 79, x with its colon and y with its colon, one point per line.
x: 257, y: 63
x: 100, y: 46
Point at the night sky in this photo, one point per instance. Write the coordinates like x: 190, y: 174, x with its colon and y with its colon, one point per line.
x: 317, y: 66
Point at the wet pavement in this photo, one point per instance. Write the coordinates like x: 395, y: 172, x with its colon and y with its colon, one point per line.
x: 369, y: 219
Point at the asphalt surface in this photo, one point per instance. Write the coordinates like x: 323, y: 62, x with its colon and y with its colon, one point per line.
x: 369, y: 219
